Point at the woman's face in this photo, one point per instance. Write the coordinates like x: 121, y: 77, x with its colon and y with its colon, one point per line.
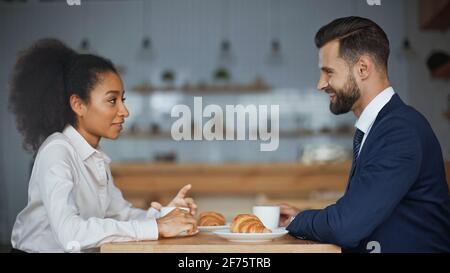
x: 105, y: 112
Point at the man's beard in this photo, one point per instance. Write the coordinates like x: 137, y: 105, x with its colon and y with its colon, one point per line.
x: 345, y: 97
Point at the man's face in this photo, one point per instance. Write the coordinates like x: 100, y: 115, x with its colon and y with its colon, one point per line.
x: 336, y: 78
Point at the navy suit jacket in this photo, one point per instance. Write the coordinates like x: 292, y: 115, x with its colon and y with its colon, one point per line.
x: 397, y: 195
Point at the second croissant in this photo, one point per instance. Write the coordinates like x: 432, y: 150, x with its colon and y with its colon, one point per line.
x: 248, y: 223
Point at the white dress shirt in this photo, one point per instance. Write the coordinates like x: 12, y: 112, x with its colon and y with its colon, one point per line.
x: 73, y: 204
x: 370, y: 113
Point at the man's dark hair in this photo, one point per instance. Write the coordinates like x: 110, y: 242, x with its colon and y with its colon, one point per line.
x: 356, y: 36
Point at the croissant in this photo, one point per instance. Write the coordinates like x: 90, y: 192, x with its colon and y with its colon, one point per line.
x: 211, y: 218
x: 248, y: 223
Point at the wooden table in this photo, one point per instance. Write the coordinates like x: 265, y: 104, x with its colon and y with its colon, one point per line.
x: 210, y: 243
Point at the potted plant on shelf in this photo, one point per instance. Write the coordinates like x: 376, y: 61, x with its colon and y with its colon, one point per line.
x: 222, y: 75
x: 168, y: 77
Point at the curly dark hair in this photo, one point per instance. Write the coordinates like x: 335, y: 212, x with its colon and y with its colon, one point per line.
x: 43, y: 79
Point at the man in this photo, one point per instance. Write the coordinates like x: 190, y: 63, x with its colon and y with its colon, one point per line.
x: 397, y: 198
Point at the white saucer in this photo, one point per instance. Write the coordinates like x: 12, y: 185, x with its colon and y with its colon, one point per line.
x: 212, y: 228
x: 251, y: 237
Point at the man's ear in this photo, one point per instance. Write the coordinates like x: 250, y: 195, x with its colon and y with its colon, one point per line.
x: 364, y: 67
x: 78, y: 106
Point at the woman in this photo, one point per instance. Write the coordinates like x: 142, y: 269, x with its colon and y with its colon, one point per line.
x: 64, y: 104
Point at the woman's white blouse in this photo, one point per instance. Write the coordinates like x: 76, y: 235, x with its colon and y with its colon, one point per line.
x: 73, y: 204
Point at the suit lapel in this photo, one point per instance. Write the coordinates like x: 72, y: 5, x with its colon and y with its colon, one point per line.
x: 393, y: 103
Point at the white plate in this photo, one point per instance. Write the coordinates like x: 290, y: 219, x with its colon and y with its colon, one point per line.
x: 212, y: 228
x: 251, y: 237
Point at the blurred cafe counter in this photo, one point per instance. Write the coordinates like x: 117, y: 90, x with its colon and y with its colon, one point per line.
x: 235, y: 188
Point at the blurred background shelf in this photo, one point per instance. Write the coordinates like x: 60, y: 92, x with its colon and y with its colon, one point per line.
x: 283, y: 134
x: 235, y: 188
x: 257, y: 86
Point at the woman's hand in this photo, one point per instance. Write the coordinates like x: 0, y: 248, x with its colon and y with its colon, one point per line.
x: 287, y: 212
x: 180, y: 200
x: 176, y: 222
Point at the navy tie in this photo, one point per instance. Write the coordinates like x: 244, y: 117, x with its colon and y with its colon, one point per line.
x: 357, y: 139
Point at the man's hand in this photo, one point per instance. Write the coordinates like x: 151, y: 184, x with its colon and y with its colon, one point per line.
x: 287, y: 212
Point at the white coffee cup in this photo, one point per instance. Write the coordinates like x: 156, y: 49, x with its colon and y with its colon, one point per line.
x: 166, y: 210
x: 269, y: 215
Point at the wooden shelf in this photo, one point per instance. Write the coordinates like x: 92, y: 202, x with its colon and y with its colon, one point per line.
x: 224, y: 88
x: 256, y: 86
x: 443, y: 72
